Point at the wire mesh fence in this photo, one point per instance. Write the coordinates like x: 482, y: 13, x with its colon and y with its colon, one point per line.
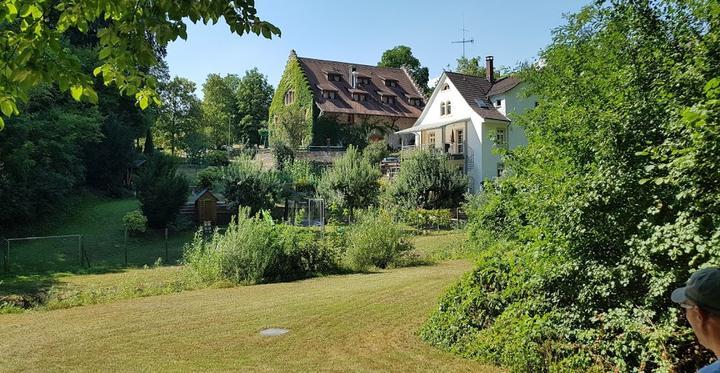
x: 24, y: 255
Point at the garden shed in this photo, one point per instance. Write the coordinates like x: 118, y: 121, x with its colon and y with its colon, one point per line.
x: 205, y: 203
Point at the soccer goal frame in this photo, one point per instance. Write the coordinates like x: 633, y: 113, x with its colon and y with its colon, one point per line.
x: 82, y: 255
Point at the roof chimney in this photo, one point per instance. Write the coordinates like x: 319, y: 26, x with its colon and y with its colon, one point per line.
x: 353, y: 77
x: 489, y: 69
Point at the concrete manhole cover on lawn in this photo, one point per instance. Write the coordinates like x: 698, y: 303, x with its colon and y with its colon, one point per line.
x: 273, y: 332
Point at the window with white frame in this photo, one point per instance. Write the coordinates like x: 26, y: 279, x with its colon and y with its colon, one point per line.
x: 445, y: 108
x: 460, y: 141
x: 431, y: 138
x: 500, y: 169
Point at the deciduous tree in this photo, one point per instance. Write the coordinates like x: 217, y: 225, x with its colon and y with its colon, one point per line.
x: 33, y: 49
x: 400, y: 56
x: 180, y: 113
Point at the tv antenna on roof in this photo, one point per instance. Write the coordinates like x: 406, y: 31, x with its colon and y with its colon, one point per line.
x: 463, y: 41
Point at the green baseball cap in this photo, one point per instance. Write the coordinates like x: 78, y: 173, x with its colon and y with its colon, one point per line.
x: 703, y: 289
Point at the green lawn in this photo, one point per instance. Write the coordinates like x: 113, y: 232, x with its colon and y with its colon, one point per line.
x: 99, y: 221
x: 362, y: 322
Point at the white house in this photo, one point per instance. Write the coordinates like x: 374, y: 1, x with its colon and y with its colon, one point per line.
x: 463, y: 115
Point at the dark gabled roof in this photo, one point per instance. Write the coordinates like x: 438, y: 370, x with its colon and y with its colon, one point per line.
x: 503, y: 85
x: 316, y: 72
x: 195, y: 197
x: 476, y: 91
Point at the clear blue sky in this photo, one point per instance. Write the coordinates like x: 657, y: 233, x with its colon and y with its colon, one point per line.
x: 359, y: 32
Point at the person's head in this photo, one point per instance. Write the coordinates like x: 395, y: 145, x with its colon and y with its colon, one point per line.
x: 700, y: 297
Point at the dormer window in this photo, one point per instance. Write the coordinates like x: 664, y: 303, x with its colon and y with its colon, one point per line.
x: 334, y: 77
x: 364, y: 80
x: 416, y: 102
x: 289, y: 97
x: 361, y: 97
x: 388, y: 99
x: 391, y: 83
x: 330, y: 95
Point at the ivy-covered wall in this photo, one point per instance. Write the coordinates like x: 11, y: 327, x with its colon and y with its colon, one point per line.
x: 292, y: 124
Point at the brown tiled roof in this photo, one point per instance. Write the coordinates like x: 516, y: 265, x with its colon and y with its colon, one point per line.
x: 316, y: 73
x: 474, y: 90
x: 503, y: 85
x: 327, y: 87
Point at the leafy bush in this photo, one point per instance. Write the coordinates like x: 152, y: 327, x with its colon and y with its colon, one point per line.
x: 247, y: 184
x: 351, y: 183
x: 375, y: 152
x: 374, y: 240
x: 283, y: 154
x: 217, y: 158
x: 428, y: 181
x: 135, y: 221
x: 254, y: 249
x: 613, y: 203
x: 304, y: 175
x: 208, y: 177
x: 160, y: 190
x: 425, y: 219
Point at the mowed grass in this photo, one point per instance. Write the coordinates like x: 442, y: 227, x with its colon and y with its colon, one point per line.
x: 362, y: 322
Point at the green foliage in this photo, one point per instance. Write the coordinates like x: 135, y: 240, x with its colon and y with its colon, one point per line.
x: 41, y: 156
x: 351, y: 183
x: 376, y: 152
x: 247, y: 184
x: 327, y: 128
x: 611, y: 205
x: 217, y: 158
x: 476, y: 66
x: 292, y: 124
x: 401, y: 56
x: 291, y: 127
x: 161, y: 191
x: 209, y: 176
x: 128, y: 35
x: 374, y: 240
x: 283, y: 154
x: 219, y: 108
x: 254, y: 249
x: 254, y: 96
x: 425, y: 219
x: 305, y: 176
x: 149, y: 146
x: 135, y: 221
x: 427, y: 180
x: 179, y: 114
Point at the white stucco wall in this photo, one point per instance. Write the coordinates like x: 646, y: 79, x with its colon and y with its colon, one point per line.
x: 481, y: 160
x: 515, y: 103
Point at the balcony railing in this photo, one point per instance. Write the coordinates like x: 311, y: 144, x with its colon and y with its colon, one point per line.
x: 454, y: 151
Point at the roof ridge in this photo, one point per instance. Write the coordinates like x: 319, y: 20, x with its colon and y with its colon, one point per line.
x: 349, y: 63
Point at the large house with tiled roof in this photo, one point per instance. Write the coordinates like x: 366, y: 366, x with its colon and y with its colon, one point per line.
x: 335, y: 98
x: 467, y: 116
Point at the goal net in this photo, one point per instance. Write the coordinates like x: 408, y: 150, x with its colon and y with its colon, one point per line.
x: 43, y: 254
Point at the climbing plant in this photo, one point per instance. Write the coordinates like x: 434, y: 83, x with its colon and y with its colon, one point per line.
x: 292, y: 123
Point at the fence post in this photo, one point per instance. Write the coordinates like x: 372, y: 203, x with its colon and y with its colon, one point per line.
x: 167, y: 256
x: 6, y: 257
x: 80, y: 250
x: 125, y: 245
